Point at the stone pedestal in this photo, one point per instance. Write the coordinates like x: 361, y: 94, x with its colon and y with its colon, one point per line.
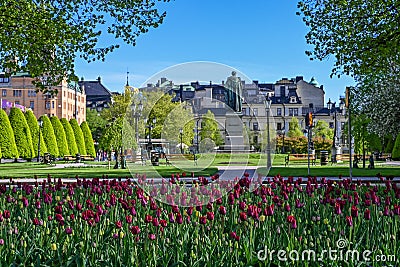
x: 234, y: 138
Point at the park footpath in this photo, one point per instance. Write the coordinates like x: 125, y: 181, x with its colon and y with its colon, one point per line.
x: 225, y: 173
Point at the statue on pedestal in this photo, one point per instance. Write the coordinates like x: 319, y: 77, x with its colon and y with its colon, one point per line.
x: 234, y: 89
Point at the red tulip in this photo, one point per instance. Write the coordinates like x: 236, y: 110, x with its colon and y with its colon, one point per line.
x: 243, y: 216
x: 203, y: 220
x: 367, y: 214
x: 155, y: 222
x: 291, y: 219
x: 128, y: 219
x: 135, y: 230
x: 163, y: 223
x: 179, y: 218
x: 6, y: 214
x: 35, y: 221
x: 68, y: 230
x: 148, y: 218
x: 210, y: 215
x: 338, y: 210
x: 354, y: 211
x: 118, y: 224
x: 152, y: 236
x: 222, y: 210
x: 233, y: 235
x: 349, y: 220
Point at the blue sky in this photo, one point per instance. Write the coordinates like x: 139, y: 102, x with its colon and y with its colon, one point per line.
x: 263, y: 39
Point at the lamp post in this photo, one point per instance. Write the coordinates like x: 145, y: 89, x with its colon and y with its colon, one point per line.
x: 268, y: 107
x: 282, y: 134
x: 136, y: 113
x: 333, y: 150
x: 181, y: 135
x: 40, y: 122
x: 150, y: 126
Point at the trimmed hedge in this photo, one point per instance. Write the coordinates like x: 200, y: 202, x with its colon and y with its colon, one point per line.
x: 34, y: 128
x: 80, y: 140
x: 22, y: 133
x: 49, y: 136
x: 87, y: 135
x: 69, y: 134
x: 396, y: 148
x: 60, y: 136
x: 7, y: 141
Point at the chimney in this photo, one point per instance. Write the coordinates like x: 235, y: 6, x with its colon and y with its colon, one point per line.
x: 299, y: 78
x: 99, y: 79
x: 223, y: 82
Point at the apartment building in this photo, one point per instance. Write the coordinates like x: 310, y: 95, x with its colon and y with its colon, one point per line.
x: 18, y: 91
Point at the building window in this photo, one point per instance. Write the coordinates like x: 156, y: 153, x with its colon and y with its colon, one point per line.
x: 255, y: 112
x: 32, y: 93
x: 16, y: 102
x: 47, y: 105
x: 4, y: 92
x: 52, y: 104
x: 279, y: 111
x: 17, y: 93
x: 243, y: 111
x: 282, y: 88
x: 32, y: 105
x: 255, y: 126
x: 4, y: 79
x: 293, y: 111
x: 331, y: 125
x: 279, y: 126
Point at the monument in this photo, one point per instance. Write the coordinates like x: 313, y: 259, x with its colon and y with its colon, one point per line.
x: 234, y: 139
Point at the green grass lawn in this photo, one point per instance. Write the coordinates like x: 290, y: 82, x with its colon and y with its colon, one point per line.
x: 330, y: 171
x: 29, y: 170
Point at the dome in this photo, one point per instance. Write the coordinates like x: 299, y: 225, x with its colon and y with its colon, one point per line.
x: 314, y: 82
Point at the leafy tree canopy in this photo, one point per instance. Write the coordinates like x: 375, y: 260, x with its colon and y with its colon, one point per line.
x: 7, y: 140
x: 294, y: 128
x: 45, y: 37
x: 34, y: 128
x: 363, y: 36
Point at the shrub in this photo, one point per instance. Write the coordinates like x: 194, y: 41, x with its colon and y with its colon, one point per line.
x: 34, y: 128
x: 49, y: 136
x: 60, y: 136
x: 87, y: 135
x: 69, y: 134
x: 7, y: 141
x: 22, y: 133
x: 80, y: 141
x: 396, y: 148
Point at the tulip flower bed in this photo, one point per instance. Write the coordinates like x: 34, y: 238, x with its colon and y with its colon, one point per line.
x: 115, y: 223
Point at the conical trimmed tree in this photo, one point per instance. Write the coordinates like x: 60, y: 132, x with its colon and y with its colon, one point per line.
x: 7, y: 141
x: 22, y: 133
x: 34, y: 128
x: 60, y: 136
x: 69, y: 134
x: 49, y: 136
x: 87, y: 135
x: 80, y: 141
x: 396, y: 148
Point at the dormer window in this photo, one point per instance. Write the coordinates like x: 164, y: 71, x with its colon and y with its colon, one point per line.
x: 293, y: 99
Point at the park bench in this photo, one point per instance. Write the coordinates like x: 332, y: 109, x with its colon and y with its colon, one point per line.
x: 299, y: 158
x: 177, y: 157
x: 87, y: 158
x: 68, y: 158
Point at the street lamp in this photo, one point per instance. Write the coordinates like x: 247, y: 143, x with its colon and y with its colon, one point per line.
x: 40, y: 122
x: 136, y: 113
x: 181, y: 134
x: 268, y: 108
x: 151, y: 127
x: 330, y: 106
x: 282, y: 135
